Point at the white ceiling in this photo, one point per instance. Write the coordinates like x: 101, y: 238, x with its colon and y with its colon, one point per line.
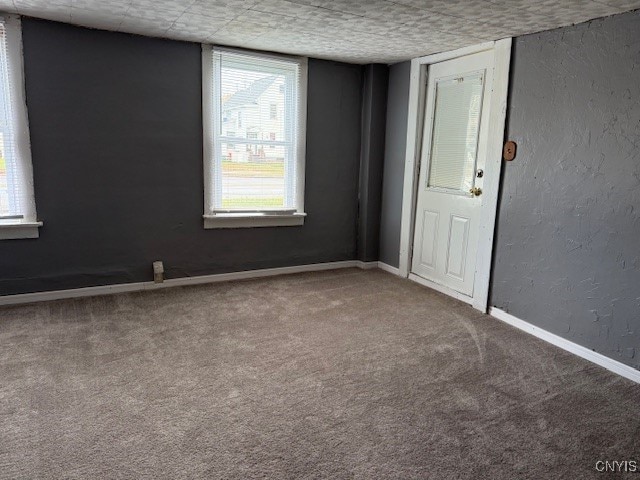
x: 363, y: 31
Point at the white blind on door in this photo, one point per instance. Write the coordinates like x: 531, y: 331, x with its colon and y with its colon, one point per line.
x: 456, y: 124
x: 11, y: 186
x: 255, y: 129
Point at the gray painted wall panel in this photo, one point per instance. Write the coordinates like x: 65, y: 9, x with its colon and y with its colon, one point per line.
x: 395, y: 145
x: 374, y: 113
x: 116, y: 134
x: 567, y: 249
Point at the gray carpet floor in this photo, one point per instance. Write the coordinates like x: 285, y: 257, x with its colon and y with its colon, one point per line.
x: 340, y: 374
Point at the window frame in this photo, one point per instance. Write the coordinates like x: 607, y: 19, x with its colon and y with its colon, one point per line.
x: 28, y: 225
x: 250, y: 218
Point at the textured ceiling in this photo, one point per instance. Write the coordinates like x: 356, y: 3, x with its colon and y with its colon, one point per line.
x: 362, y: 31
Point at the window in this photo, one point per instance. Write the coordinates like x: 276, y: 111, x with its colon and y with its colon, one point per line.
x: 17, y: 203
x: 254, y: 165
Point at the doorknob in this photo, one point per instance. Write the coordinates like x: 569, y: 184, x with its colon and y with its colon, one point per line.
x: 475, y: 191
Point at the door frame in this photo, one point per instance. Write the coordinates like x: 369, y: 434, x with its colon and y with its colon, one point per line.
x: 488, y: 210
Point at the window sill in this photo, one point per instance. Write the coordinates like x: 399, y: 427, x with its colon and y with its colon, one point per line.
x: 16, y: 230
x: 251, y: 220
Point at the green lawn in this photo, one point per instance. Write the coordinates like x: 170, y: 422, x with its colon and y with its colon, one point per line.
x: 253, y: 169
x: 253, y: 202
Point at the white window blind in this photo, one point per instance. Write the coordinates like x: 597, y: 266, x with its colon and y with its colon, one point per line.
x: 16, y: 182
x: 256, y: 128
x: 456, y: 125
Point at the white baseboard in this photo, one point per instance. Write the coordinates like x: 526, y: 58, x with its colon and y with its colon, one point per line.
x: 595, y: 357
x: 388, y: 268
x: 178, y: 282
x: 366, y: 265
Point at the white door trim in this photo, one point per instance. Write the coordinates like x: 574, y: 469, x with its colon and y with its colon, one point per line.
x: 497, y: 115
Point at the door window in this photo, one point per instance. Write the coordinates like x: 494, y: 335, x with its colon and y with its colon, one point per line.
x: 456, y: 125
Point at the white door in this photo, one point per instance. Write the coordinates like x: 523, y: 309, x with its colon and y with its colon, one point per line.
x: 453, y: 156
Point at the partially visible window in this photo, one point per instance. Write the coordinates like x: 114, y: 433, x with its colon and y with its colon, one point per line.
x: 264, y: 174
x: 17, y: 203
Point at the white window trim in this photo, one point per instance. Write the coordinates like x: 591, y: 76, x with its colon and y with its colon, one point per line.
x: 28, y: 226
x: 250, y: 219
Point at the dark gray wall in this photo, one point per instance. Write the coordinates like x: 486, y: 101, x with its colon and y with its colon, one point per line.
x: 395, y: 145
x: 567, y: 246
x: 374, y: 114
x: 116, y: 136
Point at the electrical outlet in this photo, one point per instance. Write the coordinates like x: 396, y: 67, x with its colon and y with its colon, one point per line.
x: 158, y: 272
